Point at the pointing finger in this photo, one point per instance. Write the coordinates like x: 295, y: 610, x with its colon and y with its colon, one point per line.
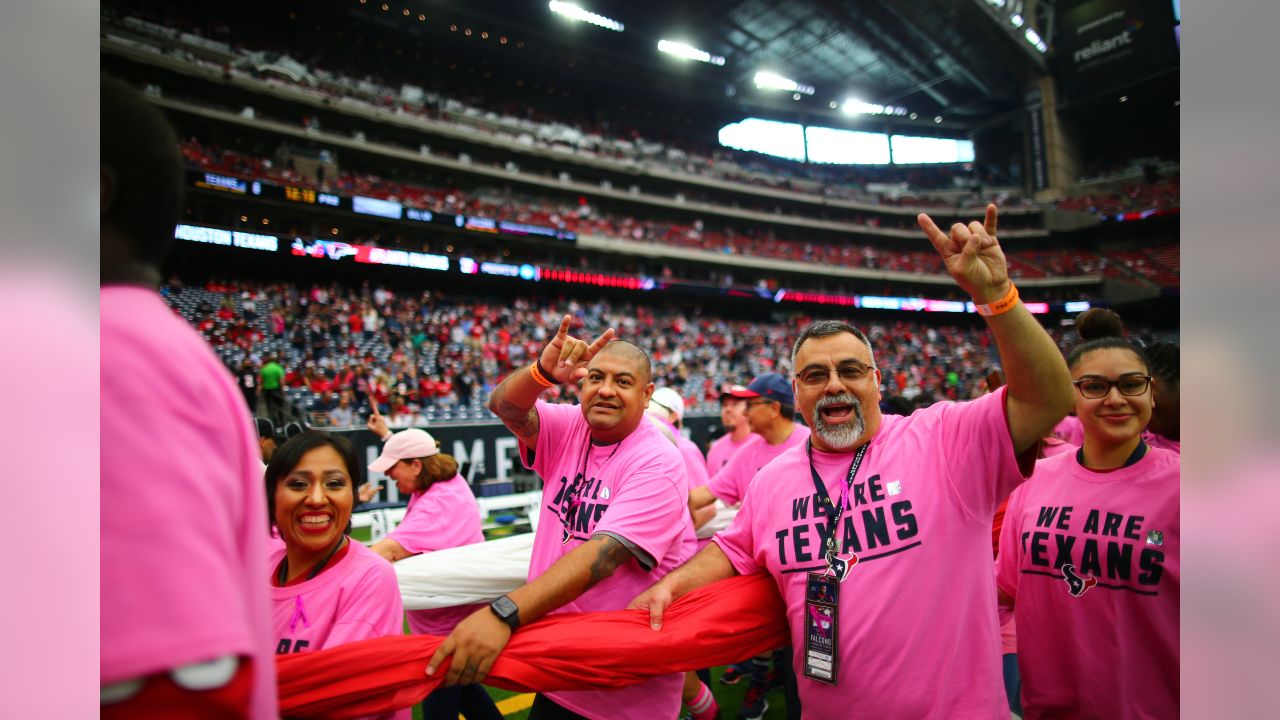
x: 564, y: 326
x: 990, y: 222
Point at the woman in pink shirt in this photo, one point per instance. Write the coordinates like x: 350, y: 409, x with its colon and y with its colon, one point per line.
x: 442, y: 514
x: 1089, y: 555
x: 326, y: 589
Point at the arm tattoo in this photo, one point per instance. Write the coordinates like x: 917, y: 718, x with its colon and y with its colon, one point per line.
x: 521, y: 421
x: 610, y: 556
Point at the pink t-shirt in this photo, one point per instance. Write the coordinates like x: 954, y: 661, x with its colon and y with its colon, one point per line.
x: 729, y: 485
x: 1070, y: 429
x: 1092, y: 562
x: 356, y: 599
x: 694, y: 463
x: 918, y: 636
x: 183, y: 514
x: 443, y: 516
x: 635, y: 490
x: 1162, y: 442
x: 722, y: 450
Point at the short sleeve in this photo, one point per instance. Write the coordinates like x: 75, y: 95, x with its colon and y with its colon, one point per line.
x: 424, y: 527
x: 738, y: 541
x: 1009, y: 557
x: 725, y: 484
x: 649, y: 510
x: 695, y: 464
x: 554, y: 422
x: 977, y: 451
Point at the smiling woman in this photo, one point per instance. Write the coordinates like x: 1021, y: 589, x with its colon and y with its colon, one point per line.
x: 326, y: 589
x: 1103, y: 522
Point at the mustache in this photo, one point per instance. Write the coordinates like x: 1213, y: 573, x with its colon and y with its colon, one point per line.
x: 841, y: 399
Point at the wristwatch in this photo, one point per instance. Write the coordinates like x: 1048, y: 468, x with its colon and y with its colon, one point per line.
x: 506, y: 610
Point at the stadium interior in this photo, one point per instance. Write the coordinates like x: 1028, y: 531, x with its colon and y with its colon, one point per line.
x: 399, y: 199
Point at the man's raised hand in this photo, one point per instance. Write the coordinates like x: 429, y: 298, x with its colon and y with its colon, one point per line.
x: 566, y: 357
x: 972, y: 256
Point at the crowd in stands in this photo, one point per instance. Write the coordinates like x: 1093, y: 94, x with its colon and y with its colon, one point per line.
x: 263, y: 56
x: 426, y: 358
x: 1160, y: 195
x: 503, y: 204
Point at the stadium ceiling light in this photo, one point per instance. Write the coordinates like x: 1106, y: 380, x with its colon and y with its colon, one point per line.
x: 1033, y: 37
x: 773, y: 81
x: 854, y: 106
x: 1017, y: 20
x: 575, y: 12
x: 689, y: 52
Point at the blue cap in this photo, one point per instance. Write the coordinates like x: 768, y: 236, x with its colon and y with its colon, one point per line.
x: 770, y: 386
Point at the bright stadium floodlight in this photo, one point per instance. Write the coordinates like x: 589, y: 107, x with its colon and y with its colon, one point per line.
x: 1017, y: 20
x: 574, y: 12
x: 773, y: 81
x: 1033, y: 37
x: 689, y: 52
x: 854, y: 106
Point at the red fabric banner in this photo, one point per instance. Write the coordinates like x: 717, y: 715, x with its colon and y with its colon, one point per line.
x: 722, y: 623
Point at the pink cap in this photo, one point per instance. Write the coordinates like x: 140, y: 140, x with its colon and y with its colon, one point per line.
x: 405, y: 445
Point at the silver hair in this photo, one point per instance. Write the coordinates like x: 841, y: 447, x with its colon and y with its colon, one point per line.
x: 827, y: 328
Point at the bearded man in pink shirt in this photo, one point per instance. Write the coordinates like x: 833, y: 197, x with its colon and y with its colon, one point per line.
x: 877, y: 531
x: 613, y: 518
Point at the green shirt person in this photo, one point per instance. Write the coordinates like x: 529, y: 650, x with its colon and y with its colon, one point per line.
x: 272, y: 375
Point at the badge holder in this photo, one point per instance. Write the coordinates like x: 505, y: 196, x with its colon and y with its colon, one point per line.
x: 821, y: 620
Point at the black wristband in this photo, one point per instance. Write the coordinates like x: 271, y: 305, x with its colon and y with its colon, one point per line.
x: 548, y: 376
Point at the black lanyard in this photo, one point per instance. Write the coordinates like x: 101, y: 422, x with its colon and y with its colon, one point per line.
x: 284, y: 564
x: 835, y: 511
x: 574, y: 500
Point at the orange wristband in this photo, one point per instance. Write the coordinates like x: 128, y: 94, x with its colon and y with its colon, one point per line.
x: 1001, y: 306
x: 539, y: 378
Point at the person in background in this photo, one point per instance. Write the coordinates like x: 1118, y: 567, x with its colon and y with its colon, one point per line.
x: 343, y: 416
x: 186, y: 624
x: 733, y: 417
x: 770, y: 408
x: 1163, y: 430
x: 1091, y: 546
x: 670, y: 407
x: 272, y: 376
x: 326, y: 589
x: 442, y: 514
x: 770, y: 405
x: 268, y: 439
x: 247, y: 379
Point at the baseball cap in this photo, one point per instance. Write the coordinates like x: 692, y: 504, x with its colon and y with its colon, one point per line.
x: 770, y: 386
x: 405, y: 445
x: 670, y: 400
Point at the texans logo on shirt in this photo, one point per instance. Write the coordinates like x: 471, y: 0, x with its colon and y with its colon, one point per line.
x: 1077, y: 585
x: 840, y: 567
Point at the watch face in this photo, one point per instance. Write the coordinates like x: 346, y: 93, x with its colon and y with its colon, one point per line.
x: 504, y: 607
